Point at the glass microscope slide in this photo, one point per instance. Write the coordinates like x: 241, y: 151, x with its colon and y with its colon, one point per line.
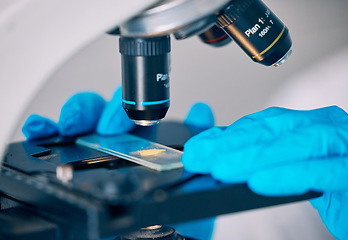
x: 135, y: 149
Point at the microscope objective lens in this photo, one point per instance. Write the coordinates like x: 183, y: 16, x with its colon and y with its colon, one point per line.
x: 257, y: 30
x: 145, y: 78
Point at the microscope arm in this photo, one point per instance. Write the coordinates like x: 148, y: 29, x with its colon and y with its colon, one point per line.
x: 38, y: 36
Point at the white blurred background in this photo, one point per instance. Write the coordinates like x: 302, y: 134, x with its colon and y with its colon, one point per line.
x: 233, y: 86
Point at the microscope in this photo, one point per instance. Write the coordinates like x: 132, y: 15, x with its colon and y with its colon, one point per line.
x: 109, y: 195
x: 145, y: 45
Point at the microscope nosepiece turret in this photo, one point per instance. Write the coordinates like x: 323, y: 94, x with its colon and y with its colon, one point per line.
x: 145, y: 45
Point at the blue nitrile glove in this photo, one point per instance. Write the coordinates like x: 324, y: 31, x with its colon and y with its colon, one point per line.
x: 87, y: 112
x: 282, y: 152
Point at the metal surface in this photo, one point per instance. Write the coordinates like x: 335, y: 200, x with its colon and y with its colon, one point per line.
x: 135, y: 149
x: 168, y: 16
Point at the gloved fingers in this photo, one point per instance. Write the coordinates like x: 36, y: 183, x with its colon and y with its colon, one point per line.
x: 200, y: 115
x: 323, y: 175
x: 278, y: 120
x: 226, y: 154
x: 233, y: 156
x: 261, y: 115
x: 114, y: 119
x: 274, y: 118
x: 80, y: 114
x: 36, y: 127
x: 199, y: 151
x: 317, y: 141
x: 336, y: 114
x: 230, y: 157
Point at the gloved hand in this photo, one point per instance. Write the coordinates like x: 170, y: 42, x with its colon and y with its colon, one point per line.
x: 87, y: 112
x: 280, y: 152
x: 83, y: 113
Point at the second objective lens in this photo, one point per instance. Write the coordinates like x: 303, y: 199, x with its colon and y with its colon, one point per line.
x: 258, y: 31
